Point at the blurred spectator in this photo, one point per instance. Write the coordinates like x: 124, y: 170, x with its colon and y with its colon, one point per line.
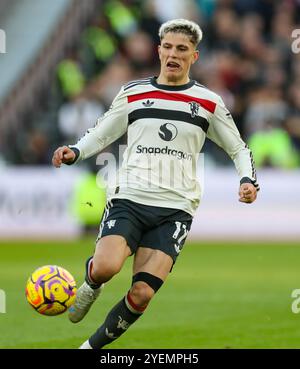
x: 70, y: 78
x: 37, y: 149
x: 76, y: 116
x: 224, y: 30
x: 293, y: 128
x: 263, y: 8
x: 149, y: 22
x: 107, y: 84
x: 251, y: 39
x: 140, y: 52
x: 98, y: 49
x: 273, y: 147
x: 206, y: 8
x: 266, y: 109
x: 121, y: 18
x: 293, y: 120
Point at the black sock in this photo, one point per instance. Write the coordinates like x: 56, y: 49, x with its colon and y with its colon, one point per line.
x: 118, y: 320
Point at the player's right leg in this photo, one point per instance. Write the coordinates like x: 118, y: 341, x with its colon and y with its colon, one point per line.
x: 110, y: 254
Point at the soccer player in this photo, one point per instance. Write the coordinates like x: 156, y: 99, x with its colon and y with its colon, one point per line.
x: 149, y: 212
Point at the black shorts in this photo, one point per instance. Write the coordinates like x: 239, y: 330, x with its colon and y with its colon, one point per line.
x: 141, y: 225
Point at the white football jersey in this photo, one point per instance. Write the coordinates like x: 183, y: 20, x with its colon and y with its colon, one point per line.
x: 166, y: 128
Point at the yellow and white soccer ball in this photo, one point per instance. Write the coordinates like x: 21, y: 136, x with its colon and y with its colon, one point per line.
x: 51, y: 290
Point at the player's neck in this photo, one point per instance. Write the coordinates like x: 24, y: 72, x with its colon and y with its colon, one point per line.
x: 162, y: 80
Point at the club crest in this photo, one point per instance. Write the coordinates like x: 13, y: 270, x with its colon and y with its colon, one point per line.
x: 194, y: 107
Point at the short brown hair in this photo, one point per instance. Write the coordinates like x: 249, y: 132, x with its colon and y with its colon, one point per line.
x: 187, y: 27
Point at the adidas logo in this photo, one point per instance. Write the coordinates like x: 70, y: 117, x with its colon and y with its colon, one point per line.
x: 148, y: 103
x: 110, y: 335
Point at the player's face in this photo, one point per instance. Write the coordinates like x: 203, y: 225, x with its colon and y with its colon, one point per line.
x: 176, y: 53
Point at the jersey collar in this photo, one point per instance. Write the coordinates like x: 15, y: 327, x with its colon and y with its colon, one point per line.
x: 171, y: 88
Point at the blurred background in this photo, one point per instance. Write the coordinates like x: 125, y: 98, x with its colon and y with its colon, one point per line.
x: 62, y: 66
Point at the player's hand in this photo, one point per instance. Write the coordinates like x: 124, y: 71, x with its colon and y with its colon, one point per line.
x: 63, y: 155
x: 247, y: 193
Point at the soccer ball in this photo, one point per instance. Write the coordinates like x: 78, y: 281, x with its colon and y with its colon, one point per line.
x: 51, y: 290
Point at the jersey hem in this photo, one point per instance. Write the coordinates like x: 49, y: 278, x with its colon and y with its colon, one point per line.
x: 151, y: 203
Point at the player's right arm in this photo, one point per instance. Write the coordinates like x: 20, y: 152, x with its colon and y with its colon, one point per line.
x: 63, y: 155
x: 112, y: 125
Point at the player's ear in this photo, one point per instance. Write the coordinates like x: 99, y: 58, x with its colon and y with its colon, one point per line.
x: 195, y: 56
x: 159, y: 50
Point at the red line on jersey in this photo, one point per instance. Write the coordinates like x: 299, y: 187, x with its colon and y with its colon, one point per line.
x: 206, y: 104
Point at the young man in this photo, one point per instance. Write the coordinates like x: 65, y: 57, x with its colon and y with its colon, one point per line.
x: 151, y: 209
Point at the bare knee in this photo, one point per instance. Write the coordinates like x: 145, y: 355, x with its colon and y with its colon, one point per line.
x: 109, y: 257
x: 141, y: 293
x: 103, y: 270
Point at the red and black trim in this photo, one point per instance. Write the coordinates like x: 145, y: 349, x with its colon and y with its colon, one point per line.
x: 168, y: 115
x: 161, y: 95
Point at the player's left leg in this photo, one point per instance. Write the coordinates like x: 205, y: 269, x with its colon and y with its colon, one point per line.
x: 150, y: 269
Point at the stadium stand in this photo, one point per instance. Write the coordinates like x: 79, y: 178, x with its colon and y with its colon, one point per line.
x: 25, y: 86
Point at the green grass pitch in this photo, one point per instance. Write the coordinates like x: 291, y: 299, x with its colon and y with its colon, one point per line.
x: 234, y: 295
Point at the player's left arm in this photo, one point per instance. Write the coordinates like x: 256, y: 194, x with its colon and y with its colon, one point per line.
x: 223, y: 131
